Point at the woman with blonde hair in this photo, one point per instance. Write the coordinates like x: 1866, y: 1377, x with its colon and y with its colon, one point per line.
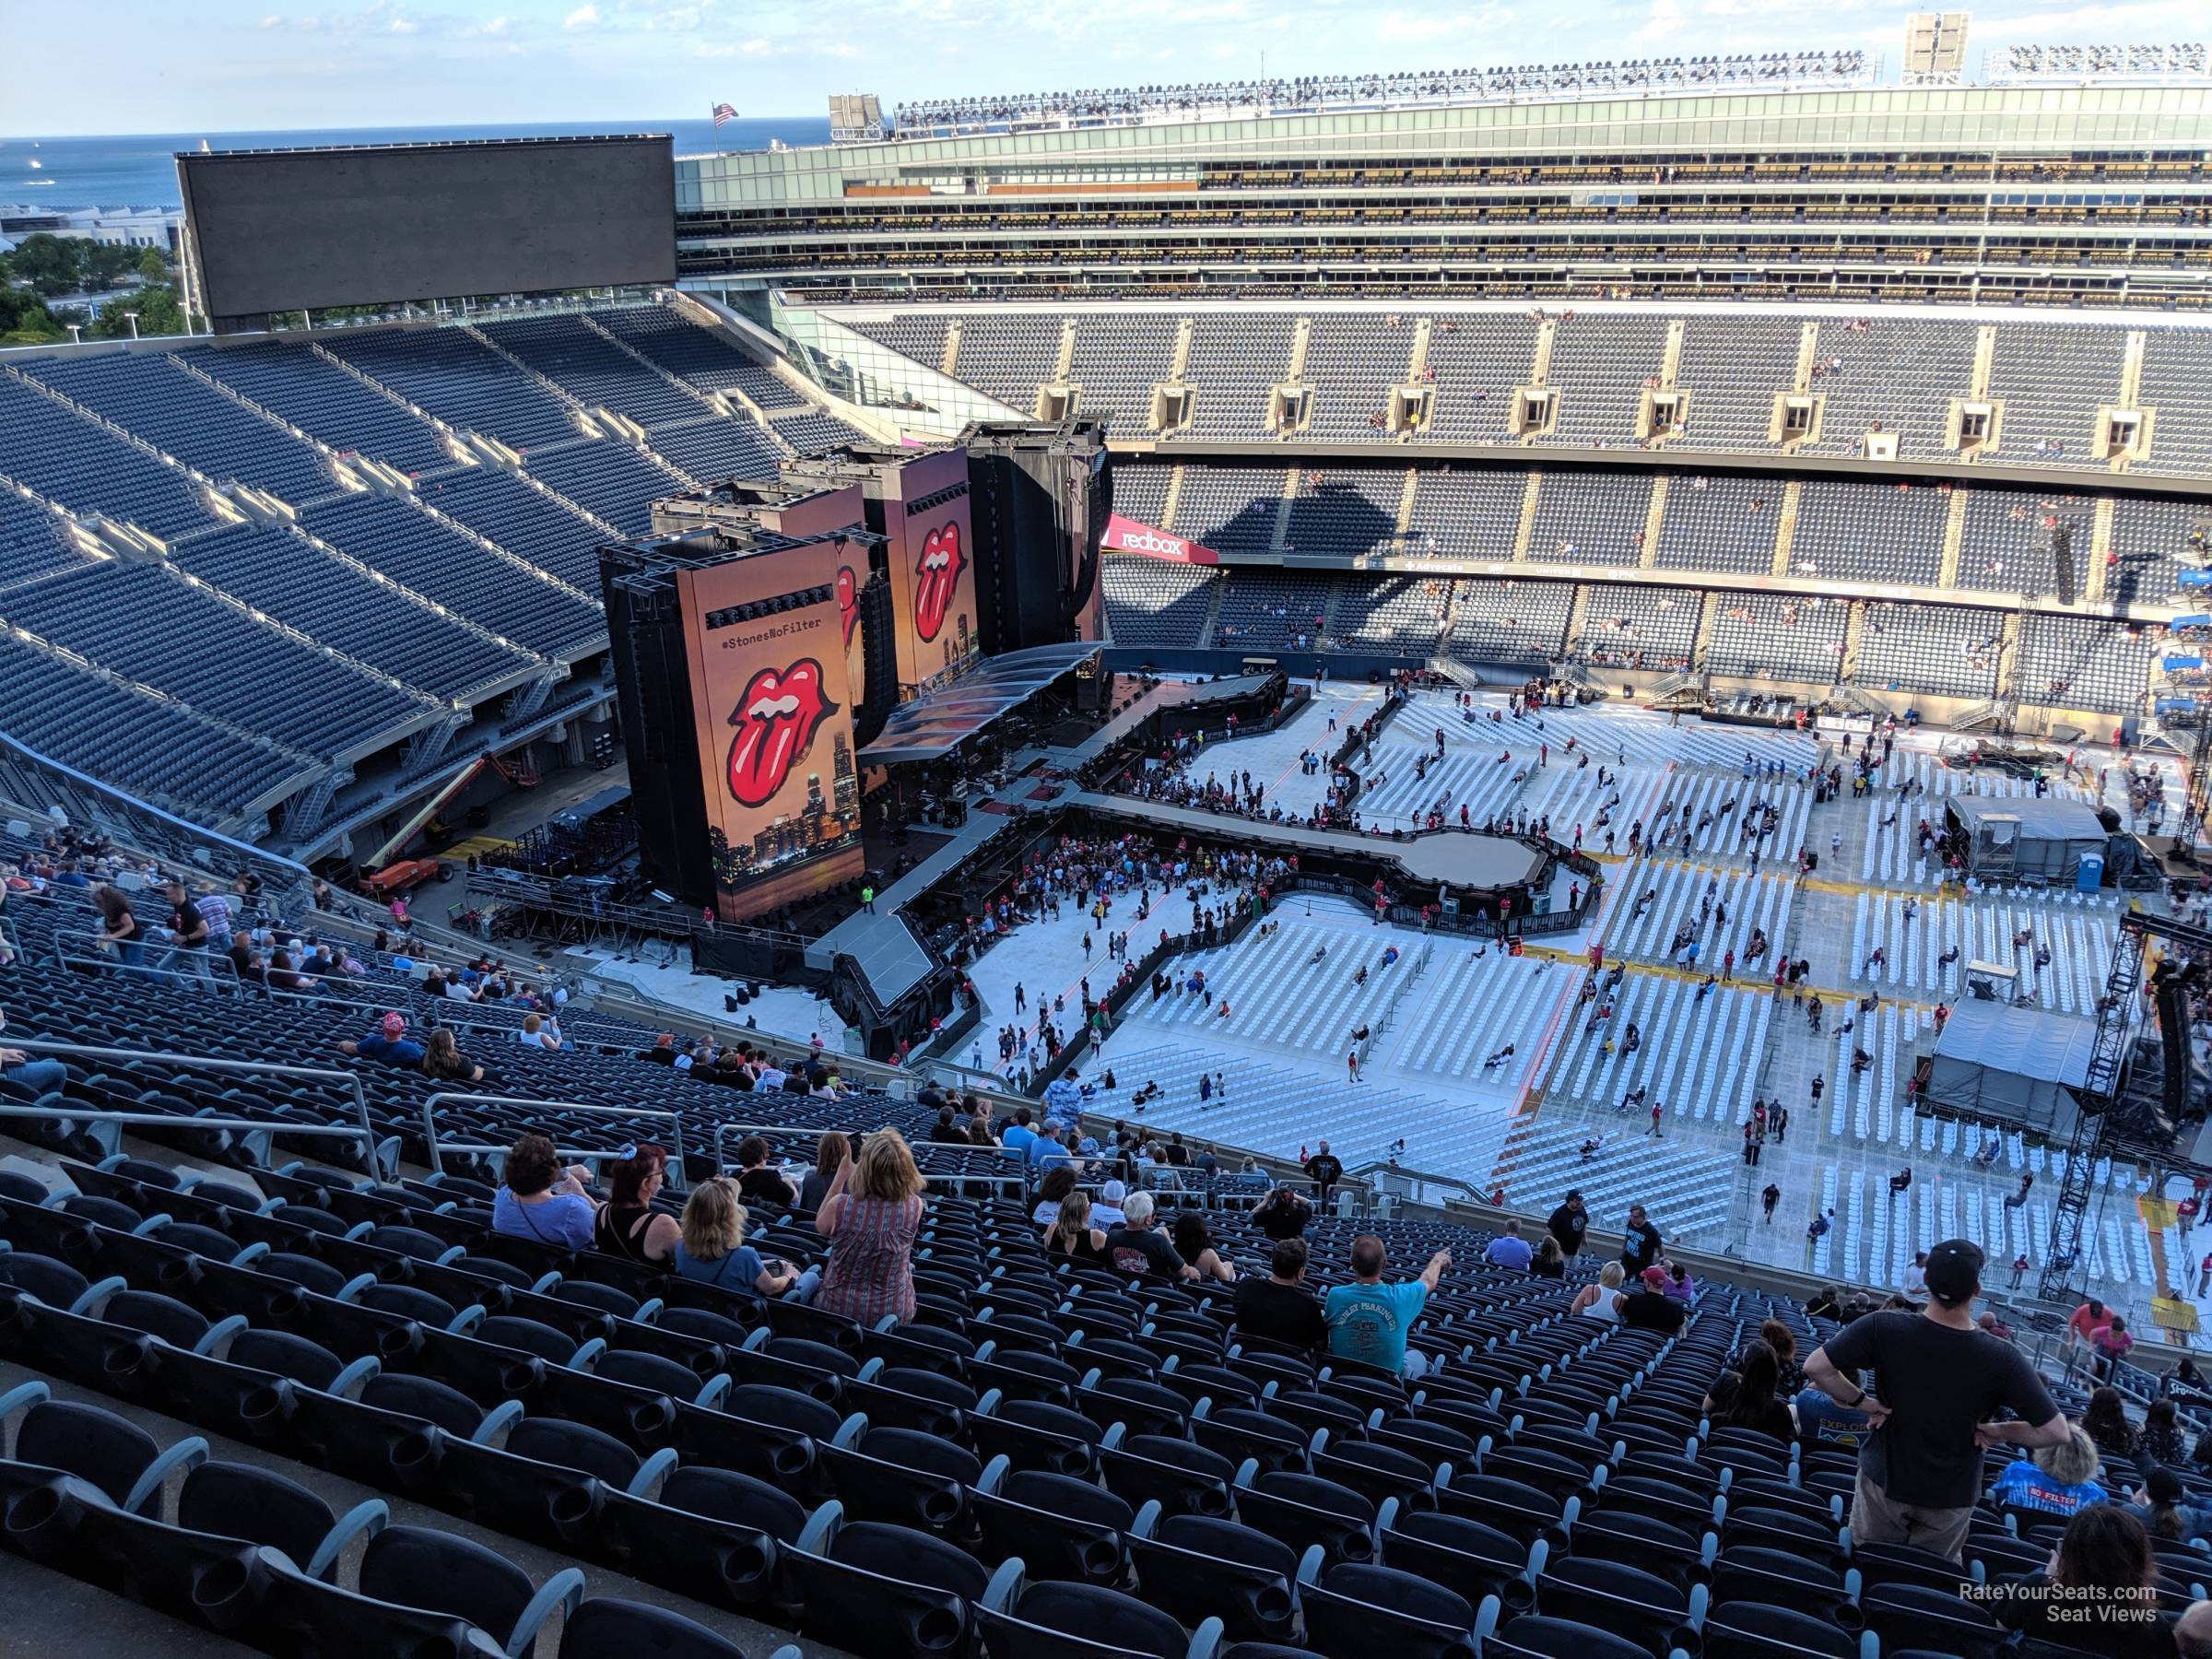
x: 1072, y: 1235
x: 713, y: 1250
x: 1601, y: 1301
x: 872, y: 1211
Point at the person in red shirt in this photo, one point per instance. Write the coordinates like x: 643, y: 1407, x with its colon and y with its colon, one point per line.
x: 2087, y: 1321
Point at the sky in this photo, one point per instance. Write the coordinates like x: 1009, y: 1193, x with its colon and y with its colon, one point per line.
x: 235, y: 65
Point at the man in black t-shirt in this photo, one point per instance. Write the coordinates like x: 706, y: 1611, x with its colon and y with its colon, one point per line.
x: 1279, y: 1307
x: 757, y: 1180
x: 1939, y: 1378
x: 1647, y: 1307
x: 1324, y: 1171
x: 1137, y: 1246
x: 1568, y: 1224
x: 1640, y: 1244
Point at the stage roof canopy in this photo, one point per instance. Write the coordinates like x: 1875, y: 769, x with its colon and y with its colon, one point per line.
x: 938, y: 722
x: 2011, y: 1065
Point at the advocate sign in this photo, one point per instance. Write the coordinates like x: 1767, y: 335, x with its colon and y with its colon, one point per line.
x: 1126, y: 535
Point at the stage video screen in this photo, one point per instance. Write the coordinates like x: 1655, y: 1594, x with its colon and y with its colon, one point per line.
x: 278, y: 231
x: 773, y: 703
x: 933, y: 567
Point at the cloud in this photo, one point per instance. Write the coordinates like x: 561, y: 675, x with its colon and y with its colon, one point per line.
x: 272, y: 21
x: 1414, y: 27
x: 405, y: 26
x: 1663, y: 24
x: 757, y: 47
x: 492, y: 25
x: 583, y: 16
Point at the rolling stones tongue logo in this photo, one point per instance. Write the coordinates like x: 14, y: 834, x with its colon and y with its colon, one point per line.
x: 775, y: 720
x: 848, y: 602
x: 936, y: 574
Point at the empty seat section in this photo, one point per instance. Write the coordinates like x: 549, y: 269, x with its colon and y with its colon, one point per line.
x: 298, y: 384
x: 170, y: 755
x: 1235, y: 360
x: 80, y: 465
x: 152, y: 398
x: 1352, y: 362
x: 812, y: 433
x: 2080, y: 662
x: 1154, y: 602
x: 1590, y: 518
x: 146, y: 623
x: 1231, y: 510
x: 697, y: 354
x: 2177, y: 385
x: 530, y: 524
x: 1117, y: 362
x: 1730, y: 370
x: 716, y: 448
x: 1140, y: 492
x: 1941, y: 649
x: 1008, y: 356
x: 593, y: 369
x: 462, y: 382
x: 2153, y: 543
x: 1345, y: 514
x: 500, y: 594
x: 613, y: 480
x: 34, y: 539
x: 1510, y: 621
x: 2052, y: 380
x: 1465, y: 514
x: 1852, y: 532
x: 1771, y: 636
x: 286, y: 576
x: 1716, y: 523
x: 1599, y: 363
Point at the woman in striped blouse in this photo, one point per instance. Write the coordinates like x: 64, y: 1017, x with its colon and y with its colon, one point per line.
x: 872, y: 1211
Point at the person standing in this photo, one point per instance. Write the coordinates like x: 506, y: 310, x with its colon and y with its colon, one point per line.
x: 1768, y: 1200
x: 1939, y: 1379
x: 1568, y: 1224
x: 1640, y: 1244
x: 1324, y: 1171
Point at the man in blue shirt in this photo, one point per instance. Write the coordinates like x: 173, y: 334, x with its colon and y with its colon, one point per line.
x: 1369, y: 1320
x: 1045, y: 1149
x: 389, y: 1042
x: 1017, y: 1135
x: 1508, y: 1249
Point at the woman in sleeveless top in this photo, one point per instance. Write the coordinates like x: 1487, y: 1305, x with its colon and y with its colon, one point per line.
x: 1072, y: 1235
x: 1601, y: 1301
x: 711, y: 1250
x: 874, y: 1223
x: 627, y: 1225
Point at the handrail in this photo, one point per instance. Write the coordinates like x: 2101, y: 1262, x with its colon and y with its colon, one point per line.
x: 429, y: 1125
x: 237, y: 1125
x: 724, y: 1131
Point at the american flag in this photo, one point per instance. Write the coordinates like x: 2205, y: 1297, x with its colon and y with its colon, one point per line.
x: 724, y: 112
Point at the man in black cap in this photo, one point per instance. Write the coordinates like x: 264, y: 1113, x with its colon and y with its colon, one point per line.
x: 1939, y: 1378
x: 1568, y: 1224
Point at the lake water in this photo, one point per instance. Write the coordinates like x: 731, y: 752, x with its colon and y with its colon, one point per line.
x: 139, y: 169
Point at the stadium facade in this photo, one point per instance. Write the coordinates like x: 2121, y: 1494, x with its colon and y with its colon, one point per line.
x: 2082, y: 194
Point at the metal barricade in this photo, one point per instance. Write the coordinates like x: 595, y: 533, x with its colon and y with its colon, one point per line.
x: 583, y: 1154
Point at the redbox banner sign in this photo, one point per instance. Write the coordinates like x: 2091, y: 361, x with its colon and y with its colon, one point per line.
x: 1126, y: 535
